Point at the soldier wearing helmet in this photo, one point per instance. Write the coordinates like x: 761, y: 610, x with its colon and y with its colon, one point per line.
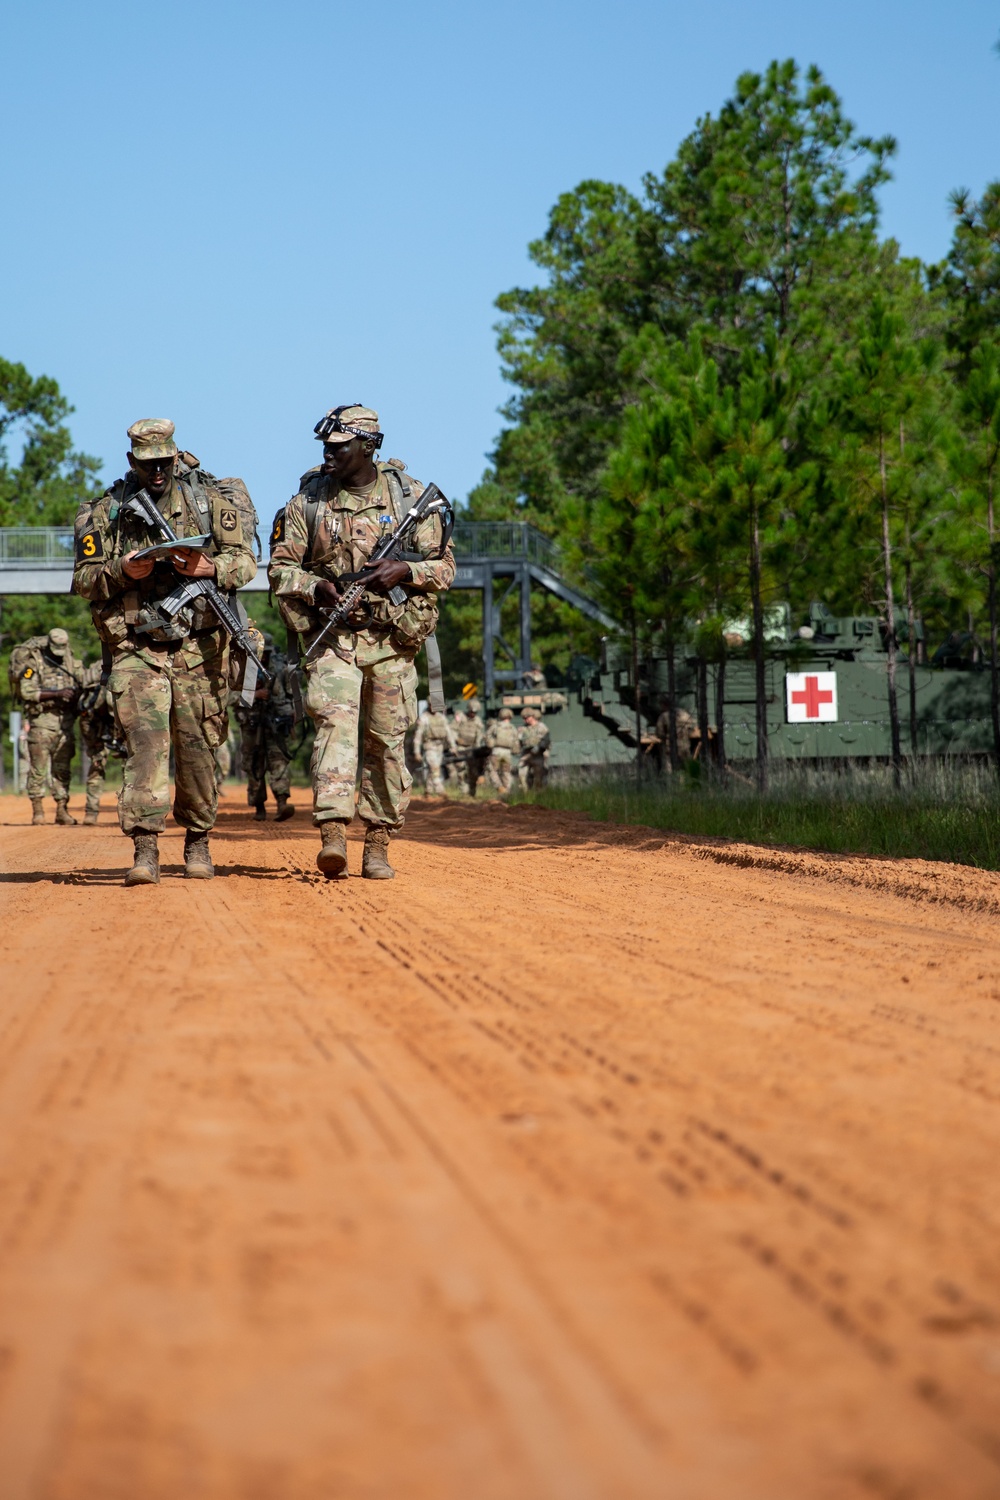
x: 504, y: 740
x: 533, y: 767
x: 265, y: 727
x: 326, y: 534
x: 47, y: 678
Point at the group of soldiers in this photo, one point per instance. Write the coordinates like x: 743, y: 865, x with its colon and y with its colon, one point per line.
x: 158, y: 556
x: 57, y: 692
x: 464, y: 744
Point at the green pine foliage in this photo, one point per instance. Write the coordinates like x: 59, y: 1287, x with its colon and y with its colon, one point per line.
x: 732, y: 390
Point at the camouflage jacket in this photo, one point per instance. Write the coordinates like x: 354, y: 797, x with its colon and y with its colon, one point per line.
x: 348, y: 526
x: 97, y: 721
x: 534, y: 739
x: 469, y: 731
x: 46, y: 673
x: 433, y: 729
x: 503, y: 734
x: 106, y: 532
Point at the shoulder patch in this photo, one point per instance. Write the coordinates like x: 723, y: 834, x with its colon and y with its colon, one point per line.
x: 278, y: 529
x: 28, y: 672
x: 395, y: 463
x: 89, y: 546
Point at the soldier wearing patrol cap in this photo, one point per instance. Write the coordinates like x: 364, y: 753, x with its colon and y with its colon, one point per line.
x: 47, y: 679
x: 169, y: 681
x: 328, y: 530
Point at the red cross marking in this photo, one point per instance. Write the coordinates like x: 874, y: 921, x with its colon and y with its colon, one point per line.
x: 812, y: 697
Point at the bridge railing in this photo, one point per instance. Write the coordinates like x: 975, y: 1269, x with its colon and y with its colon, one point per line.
x: 36, y: 546
x: 505, y: 539
x: 52, y: 546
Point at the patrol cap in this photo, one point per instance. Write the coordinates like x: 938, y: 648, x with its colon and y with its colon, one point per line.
x: 342, y: 423
x: 58, y: 641
x: 152, y: 437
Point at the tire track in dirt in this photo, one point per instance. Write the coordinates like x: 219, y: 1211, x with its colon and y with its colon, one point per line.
x: 555, y: 1159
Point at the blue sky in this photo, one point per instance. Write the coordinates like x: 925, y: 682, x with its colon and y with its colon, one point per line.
x: 238, y: 215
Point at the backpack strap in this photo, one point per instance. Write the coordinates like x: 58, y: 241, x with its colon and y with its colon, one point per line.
x: 314, y: 491
x: 400, y: 489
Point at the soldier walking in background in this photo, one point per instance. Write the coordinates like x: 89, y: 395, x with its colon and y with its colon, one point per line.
x: 266, y: 726
x: 46, y: 678
x: 432, y: 740
x: 169, y: 682
x: 687, y: 734
x: 470, y: 737
x: 533, y: 767
x: 100, y: 735
x: 329, y: 530
x: 503, y: 739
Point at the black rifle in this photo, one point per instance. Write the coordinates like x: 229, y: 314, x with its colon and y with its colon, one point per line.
x: 142, y: 505
x: 431, y: 502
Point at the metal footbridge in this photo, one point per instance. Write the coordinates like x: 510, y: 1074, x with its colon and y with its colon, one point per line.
x: 494, y: 557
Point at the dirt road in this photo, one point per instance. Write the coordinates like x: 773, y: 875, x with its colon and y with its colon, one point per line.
x: 575, y: 1164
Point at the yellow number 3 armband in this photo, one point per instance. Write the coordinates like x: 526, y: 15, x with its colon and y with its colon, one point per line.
x: 89, y: 547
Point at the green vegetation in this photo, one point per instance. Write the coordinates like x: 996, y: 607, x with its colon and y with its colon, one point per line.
x: 732, y: 390
x: 42, y: 482
x: 945, y: 814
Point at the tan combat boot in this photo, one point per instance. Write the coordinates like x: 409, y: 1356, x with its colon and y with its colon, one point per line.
x: 197, y: 859
x: 90, y: 817
x: 37, y: 810
x: 375, y: 863
x: 332, y: 858
x: 285, y: 809
x: 63, y: 814
x: 146, y: 870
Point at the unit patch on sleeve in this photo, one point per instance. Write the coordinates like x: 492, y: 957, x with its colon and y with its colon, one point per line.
x: 278, y: 529
x: 89, y: 546
x: 28, y: 672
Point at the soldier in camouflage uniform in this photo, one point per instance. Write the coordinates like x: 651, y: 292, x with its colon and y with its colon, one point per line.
x: 470, y: 736
x: 327, y: 530
x: 265, y: 728
x: 49, y: 686
x: 169, y: 682
x: 503, y: 738
x: 533, y: 767
x: 99, y: 734
x: 432, y: 740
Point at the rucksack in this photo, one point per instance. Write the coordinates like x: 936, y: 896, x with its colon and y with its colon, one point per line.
x: 24, y: 656
x: 400, y: 490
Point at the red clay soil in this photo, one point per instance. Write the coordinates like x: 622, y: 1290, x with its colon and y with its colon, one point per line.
x: 577, y: 1163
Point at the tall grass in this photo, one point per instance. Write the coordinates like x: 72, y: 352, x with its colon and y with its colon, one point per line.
x: 945, y: 811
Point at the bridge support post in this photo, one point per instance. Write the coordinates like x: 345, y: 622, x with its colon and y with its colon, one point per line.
x: 525, y: 662
x: 489, y: 665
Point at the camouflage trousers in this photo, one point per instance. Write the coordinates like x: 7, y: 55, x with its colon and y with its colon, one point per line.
x: 498, y: 768
x: 99, y: 754
x: 159, y: 707
x: 50, y: 755
x: 381, y: 686
x: 434, y: 768
x: 533, y: 769
x: 265, y: 760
